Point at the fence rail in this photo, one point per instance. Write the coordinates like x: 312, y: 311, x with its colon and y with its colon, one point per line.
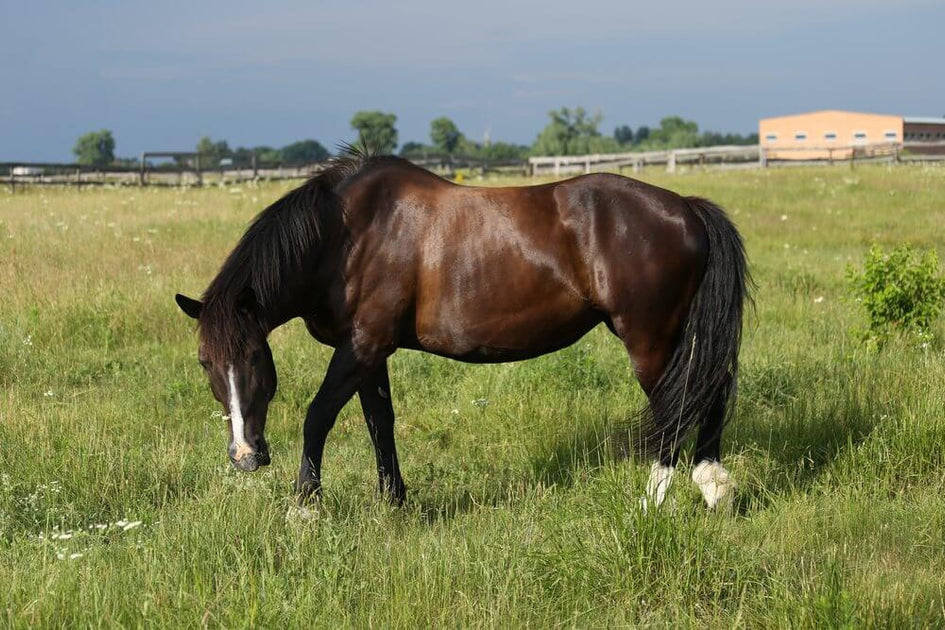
x: 190, y: 169
x: 187, y: 168
x: 564, y: 164
x: 146, y: 173
x: 743, y: 155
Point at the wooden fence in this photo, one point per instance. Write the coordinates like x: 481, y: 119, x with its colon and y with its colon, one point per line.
x: 190, y: 169
x: 737, y: 156
x: 187, y: 170
x: 564, y: 164
x: 184, y: 173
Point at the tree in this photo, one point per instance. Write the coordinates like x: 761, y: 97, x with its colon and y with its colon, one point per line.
x: 95, y: 148
x: 504, y: 151
x: 676, y: 132
x: 212, y: 152
x: 304, y: 152
x: 572, y: 132
x: 445, y: 135
x: 623, y: 134
x: 643, y: 132
x: 415, y: 149
x: 376, y: 130
x: 714, y: 138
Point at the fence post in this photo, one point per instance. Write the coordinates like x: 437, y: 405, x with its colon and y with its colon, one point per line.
x: 141, y: 171
x: 78, y: 177
x: 557, y: 167
x: 255, y: 168
x: 762, y: 157
x: 197, y: 169
x: 671, y: 162
x: 12, y: 180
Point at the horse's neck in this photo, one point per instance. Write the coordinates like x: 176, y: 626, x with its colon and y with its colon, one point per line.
x: 289, y: 302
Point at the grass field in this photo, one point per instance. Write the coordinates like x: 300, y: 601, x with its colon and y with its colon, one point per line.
x: 118, y: 506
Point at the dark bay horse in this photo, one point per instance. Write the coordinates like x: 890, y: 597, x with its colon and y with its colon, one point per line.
x: 376, y: 254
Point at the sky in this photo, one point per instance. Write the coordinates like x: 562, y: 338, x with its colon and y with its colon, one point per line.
x: 162, y: 74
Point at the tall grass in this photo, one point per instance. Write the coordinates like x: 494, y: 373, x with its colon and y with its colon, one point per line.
x: 523, y: 511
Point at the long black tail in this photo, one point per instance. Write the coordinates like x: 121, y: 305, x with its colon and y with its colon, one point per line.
x: 704, y: 366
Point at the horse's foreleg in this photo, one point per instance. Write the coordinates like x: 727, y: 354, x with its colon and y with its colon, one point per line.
x: 379, y: 415
x: 344, y: 376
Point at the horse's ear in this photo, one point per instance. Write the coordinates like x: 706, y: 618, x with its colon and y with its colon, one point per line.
x: 189, y: 305
x: 246, y: 300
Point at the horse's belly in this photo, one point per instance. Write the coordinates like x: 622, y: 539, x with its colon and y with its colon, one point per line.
x: 484, y: 332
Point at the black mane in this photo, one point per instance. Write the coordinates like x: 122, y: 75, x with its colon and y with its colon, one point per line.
x: 275, y: 244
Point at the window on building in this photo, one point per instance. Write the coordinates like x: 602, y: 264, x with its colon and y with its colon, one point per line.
x: 859, y: 135
x: 800, y: 136
x: 771, y: 137
x: 830, y: 136
x: 891, y: 135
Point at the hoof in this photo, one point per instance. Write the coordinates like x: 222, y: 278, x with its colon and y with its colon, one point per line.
x: 716, y: 484
x: 308, y: 492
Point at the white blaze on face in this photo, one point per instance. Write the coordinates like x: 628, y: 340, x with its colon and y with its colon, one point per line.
x: 660, y: 478
x: 716, y: 484
x: 236, y: 418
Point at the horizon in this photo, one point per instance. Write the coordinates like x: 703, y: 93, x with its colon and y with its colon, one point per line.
x: 160, y: 78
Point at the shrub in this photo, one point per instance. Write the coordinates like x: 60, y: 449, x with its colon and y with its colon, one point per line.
x: 901, y: 290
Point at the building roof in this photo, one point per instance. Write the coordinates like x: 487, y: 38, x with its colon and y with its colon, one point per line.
x: 841, y: 112
x: 923, y: 120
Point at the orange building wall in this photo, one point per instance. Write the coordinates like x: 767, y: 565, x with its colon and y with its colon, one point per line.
x: 844, y: 126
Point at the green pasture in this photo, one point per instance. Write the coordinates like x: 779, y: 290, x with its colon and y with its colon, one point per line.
x: 118, y: 506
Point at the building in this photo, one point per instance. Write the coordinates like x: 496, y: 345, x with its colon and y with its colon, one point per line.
x: 836, y: 134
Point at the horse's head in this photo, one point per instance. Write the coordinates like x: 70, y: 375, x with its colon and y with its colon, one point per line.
x: 244, y: 380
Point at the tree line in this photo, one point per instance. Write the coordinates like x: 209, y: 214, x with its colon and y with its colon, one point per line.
x: 569, y: 131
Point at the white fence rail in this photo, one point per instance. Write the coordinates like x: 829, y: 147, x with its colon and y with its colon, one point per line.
x: 563, y: 164
x: 744, y: 155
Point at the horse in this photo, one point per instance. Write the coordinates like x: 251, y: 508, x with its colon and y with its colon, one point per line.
x: 375, y: 254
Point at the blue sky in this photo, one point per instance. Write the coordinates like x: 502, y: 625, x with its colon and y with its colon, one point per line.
x: 160, y: 75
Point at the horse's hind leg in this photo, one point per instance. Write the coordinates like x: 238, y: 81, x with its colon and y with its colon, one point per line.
x: 649, y: 362
x: 713, y: 480
x: 379, y: 415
